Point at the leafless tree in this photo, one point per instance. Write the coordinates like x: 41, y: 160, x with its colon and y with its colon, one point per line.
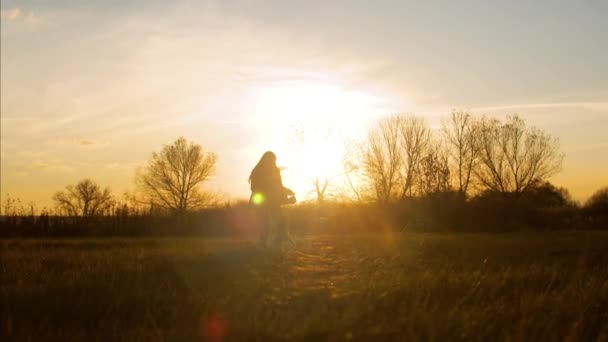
x: 383, y: 158
x: 393, y: 154
x: 353, y: 184
x: 598, y: 201
x: 320, y: 188
x: 85, y: 198
x: 13, y: 206
x: 434, y: 171
x: 173, y: 177
x: 514, y: 157
x: 461, y: 134
x: 415, y: 141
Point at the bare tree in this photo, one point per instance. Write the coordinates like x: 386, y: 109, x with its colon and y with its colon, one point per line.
x: 172, y: 178
x: 598, y: 201
x: 461, y: 134
x: 514, y: 157
x: 353, y: 186
x: 85, y: 198
x: 393, y: 154
x: 13, y: 206
x: 320, y: 188
x: 415, y: 141
x: 383, y: 158
x: 434, y: 171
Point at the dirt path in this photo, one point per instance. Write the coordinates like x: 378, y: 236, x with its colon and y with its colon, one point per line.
x: 321, y: 266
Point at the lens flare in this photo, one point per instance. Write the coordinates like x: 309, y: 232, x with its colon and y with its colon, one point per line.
x: 257, y: 199
x: 214, y: 328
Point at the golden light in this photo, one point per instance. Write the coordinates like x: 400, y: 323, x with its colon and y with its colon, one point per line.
x: 310, y: 123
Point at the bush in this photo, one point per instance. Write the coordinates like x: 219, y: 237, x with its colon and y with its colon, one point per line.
x: 598, y: 202
x: 596, y: 209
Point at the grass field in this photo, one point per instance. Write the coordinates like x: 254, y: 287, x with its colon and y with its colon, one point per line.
x: 409, y: 286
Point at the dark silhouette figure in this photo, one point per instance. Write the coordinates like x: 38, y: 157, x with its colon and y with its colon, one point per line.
x: 268, y: 194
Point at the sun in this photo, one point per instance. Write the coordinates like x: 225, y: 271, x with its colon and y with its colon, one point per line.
x: 310, y: 124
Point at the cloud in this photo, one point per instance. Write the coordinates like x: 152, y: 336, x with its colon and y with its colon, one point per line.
x: 61, y: 142
x: 10, y: 14
x: 85, y: 142
x: 26, y: 162
x: 31, y: 19
x: 46, y: 165
x: 20, y: 17
x: 583, y: 105
x: 594, y: 146
x: 115, y: 166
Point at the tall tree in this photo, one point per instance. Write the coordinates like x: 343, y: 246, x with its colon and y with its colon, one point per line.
x: 461, y: 134
x: 514, y: 157
x: 434, y: 171
x: 173, y: 177
x: 354, y: 185
x: 415, y: 142
x: 383, y: 158
x: 85, y: 198
x: 392, y: 156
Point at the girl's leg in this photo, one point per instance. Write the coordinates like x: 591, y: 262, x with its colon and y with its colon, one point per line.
x: 275, y: 234
x: 272, y: 226
x: 286, y: 224
x: 281, y: 226
x: 264, y: 223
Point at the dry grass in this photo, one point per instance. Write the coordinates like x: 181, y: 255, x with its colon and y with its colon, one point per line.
x: 525, y: 286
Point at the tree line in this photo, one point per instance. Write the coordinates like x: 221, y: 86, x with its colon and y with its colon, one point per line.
x: 170, y: 181
x: 401, y: 158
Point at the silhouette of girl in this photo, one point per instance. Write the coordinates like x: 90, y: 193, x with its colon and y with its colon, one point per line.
x: 268, y: 194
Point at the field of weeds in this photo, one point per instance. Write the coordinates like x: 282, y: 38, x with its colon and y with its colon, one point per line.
x: 393, y: 286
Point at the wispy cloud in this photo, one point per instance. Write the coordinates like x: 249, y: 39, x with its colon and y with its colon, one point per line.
x: 10, y: 14
x: 45, y: 165
x: 66, y: 142
x: 85, y: 142
x: 28, y: 162
x: 17, y: 14
x: 593, y: 146
x: 115, y: 166
x: 548, y: 105
x: 128, y: 80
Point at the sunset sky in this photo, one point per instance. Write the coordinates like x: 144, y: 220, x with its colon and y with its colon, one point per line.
x: 91, y: 89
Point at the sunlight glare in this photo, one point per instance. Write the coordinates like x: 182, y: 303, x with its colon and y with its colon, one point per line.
x: 310, y: 123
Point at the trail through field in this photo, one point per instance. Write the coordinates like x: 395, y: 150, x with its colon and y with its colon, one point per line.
x: 317, y: 266
x: 308, y: 288
x: 312, y: 269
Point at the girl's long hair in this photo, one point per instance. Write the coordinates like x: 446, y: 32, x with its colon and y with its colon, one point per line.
x: 267, y: 164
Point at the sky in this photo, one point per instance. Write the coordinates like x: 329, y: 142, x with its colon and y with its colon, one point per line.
x: 91, y: 89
